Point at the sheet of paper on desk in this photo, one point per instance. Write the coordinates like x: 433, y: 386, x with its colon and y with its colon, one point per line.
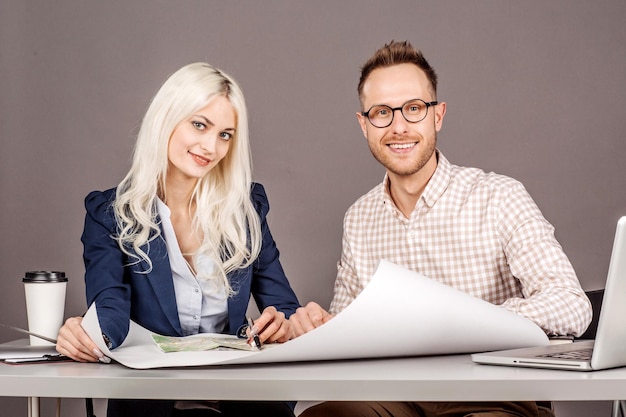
x: 399, y: 313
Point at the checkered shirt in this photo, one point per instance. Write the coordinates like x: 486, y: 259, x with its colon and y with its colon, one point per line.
x: 478, y: 232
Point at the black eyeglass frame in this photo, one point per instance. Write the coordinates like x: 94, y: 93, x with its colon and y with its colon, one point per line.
x: 428, y: 104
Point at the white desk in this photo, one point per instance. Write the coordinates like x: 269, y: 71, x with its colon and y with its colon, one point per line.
x: 441, y: 378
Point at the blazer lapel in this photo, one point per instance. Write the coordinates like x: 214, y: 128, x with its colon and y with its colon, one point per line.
x: 162, y: 282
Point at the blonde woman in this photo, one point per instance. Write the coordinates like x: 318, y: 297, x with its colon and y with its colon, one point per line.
x: 181, y: 244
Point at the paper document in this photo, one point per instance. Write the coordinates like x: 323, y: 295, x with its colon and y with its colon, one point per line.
x: 399, y: 313
x: 201, y: 342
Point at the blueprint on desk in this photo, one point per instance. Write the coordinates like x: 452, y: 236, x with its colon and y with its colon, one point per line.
x: 399, y: 313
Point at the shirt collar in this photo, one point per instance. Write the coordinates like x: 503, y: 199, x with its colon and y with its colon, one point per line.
x: 439, y: 182
x: 162, y: 208
x: 435, y: 188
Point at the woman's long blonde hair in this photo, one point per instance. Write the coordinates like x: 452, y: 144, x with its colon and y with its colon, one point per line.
x: 224, y: 213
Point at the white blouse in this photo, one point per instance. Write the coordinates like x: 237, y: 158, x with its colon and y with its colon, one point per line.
x: 201, y: 307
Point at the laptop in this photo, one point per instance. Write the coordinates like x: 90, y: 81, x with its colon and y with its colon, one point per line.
x: 608, y: 350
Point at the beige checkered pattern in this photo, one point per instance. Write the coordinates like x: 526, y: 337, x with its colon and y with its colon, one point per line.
x: 478, y: 232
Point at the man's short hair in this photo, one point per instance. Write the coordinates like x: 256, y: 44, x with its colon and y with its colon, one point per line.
x: 395, y: 53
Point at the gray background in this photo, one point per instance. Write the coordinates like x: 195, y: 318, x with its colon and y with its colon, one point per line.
x: 535, y: 90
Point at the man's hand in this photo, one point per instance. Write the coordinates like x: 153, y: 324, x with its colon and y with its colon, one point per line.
x: 308, y: 318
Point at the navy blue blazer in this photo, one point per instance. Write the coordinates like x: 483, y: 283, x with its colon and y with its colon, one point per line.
x: 122, y: 290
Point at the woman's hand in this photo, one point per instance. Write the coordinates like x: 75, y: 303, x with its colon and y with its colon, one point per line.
x: 271, y: 326
x: 74, y: 342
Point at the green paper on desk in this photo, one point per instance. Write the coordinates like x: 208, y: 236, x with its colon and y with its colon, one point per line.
x: 200, y: 342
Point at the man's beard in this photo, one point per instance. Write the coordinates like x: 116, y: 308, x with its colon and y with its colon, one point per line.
x: 414, y: 166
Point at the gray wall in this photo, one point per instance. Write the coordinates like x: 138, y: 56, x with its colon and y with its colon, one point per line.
x: 535, y: 90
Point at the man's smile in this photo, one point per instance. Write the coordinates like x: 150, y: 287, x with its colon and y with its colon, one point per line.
x: 402, y: 146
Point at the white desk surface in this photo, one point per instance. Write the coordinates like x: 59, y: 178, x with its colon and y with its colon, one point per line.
x: 440, y: 378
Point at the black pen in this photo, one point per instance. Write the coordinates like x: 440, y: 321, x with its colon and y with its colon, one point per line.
x: 253, y: 334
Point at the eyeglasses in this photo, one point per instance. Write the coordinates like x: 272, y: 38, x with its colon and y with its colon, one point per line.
x: 413, y: 111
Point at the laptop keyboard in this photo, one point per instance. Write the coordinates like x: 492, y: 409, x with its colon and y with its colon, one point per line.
x: 582, y: 354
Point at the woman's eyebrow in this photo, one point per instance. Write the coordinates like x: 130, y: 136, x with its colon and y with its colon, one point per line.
x: 209, y: 122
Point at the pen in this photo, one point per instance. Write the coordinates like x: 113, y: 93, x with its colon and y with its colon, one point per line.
x: 17, y: 329
x: 253, y: 334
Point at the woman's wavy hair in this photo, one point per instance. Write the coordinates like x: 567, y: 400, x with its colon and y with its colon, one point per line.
x: 224, y: 213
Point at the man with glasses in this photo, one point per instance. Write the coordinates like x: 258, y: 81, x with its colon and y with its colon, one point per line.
x: 478, y: 232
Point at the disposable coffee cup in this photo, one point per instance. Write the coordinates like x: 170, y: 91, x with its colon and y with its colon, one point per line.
x: 45, y: 303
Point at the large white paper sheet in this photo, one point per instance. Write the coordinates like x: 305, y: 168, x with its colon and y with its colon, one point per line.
x: 399, y: 313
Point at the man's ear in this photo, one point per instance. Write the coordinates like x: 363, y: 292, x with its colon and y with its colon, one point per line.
x: 362, y: 122
x: 440, y: 112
